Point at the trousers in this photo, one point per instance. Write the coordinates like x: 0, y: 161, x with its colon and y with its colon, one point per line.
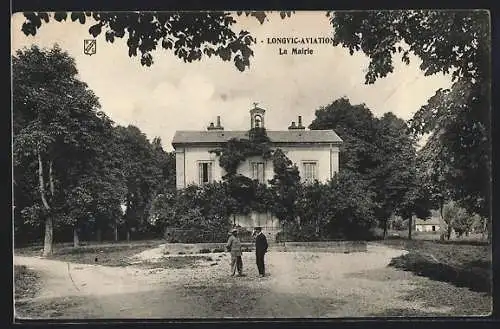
x: 259, y: 257
x: 236, y: 265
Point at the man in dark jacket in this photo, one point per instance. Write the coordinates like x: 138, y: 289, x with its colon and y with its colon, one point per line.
x: 260, y: 250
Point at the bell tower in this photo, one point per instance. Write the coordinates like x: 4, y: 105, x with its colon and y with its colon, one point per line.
x: 257, y: 117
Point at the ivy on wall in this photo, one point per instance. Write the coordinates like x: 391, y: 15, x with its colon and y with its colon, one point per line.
x: 249, y: 194
x: 237, y: 150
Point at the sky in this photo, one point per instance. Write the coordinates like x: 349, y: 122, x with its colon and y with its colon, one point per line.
x: 172, y: 95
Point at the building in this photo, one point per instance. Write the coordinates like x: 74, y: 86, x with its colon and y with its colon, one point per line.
x: 315, y: 152
x: 428, y: 225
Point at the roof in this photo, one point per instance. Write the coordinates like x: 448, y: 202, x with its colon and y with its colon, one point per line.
x: 431, y: 221
x: 291, y: 136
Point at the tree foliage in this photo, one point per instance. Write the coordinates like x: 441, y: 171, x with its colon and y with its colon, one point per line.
x: 382, y: 152
x: 284, y: 186
x: 237, y: 150
x: 189, y: 35
x: 449, y: 42
x: 457, y: 218
x: 355, y: 124
x: 58, y: 135
x: 72, y: 167
x: 206, y: 207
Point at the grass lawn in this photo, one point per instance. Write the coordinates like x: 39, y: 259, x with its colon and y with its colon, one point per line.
x: 110, y: 253
x: 462, y: 263
x: 26, y: 282
x: 118, y: 253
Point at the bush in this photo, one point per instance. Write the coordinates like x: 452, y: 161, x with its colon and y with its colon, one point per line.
x: 194, y: 235
x: 217, y: 250
x: 302, y: 233
x: 244, y: 234
x: 204, y: 251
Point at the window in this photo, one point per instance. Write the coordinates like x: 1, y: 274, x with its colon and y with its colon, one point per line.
x: 258, y: 171
x: 310, y: 168
x: 205, y: 172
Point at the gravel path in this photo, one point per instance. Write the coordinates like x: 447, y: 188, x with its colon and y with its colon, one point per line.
x: 299, y: 284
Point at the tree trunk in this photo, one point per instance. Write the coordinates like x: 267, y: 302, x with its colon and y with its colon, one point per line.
x: 49, y: 227
x: 410, y: 226
x: 51, y: 179
x: 76, y: 240
x: 128, y: 235
x: 116, y: 232
x: 448, y: 232
x: 385, y: 230
x: 47, y: 245
x: 99, y: 234
x: 442, y: 224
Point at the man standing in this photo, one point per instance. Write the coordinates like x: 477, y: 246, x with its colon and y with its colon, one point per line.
x: 234, y: 247
x: 260, y: 250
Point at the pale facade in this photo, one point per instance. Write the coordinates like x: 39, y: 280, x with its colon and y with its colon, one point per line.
x: 429, y: 225
x: 315, y: 152
x: 197, y: 165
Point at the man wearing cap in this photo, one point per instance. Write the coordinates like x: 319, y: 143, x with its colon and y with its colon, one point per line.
x: 234, y: 247
x: 260, y: 250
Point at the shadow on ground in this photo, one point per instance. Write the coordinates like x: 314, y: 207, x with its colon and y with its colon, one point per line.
x: 474, y: 275
x: 48, y: 308
x: 239, y: 301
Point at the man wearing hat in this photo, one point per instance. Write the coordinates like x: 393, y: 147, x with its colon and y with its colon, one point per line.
x: 234, y: 247
x: 260, y: 250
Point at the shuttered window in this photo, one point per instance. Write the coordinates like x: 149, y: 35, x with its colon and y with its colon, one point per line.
x: 205, y: 172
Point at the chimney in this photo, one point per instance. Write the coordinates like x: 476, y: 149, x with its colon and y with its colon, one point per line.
x: 292, y: 126
x: 215, y: 127
x: 300, y: 126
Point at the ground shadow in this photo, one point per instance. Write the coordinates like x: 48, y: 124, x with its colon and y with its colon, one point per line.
x: 474, y: 275
x: 49, y: 308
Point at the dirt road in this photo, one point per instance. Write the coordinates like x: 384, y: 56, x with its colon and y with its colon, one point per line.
x: 299, y: 284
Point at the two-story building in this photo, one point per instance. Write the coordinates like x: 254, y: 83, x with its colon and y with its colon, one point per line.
x: 315, y: 152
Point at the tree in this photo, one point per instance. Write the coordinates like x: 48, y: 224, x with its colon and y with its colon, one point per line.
x: 395, y: 177
x: 451, y: 211
x: 189, y: 35
x: 142, y: 175
x: 350, y: 206
x: 381, y: 150
x: 355, y: 124
x: 57, y: 127
x: 451, y: 42
x: 165, y: 161
x: 463, y: 222
x: 284, y: 186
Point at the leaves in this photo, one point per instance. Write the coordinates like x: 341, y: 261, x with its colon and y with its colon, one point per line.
x: 95, y: 30
x: 457, y: 43
x: 285, y: 187
x: 189, y: 35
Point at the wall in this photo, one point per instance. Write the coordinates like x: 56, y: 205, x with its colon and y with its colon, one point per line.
x: 327, y: 158
x: 195, y: 154
x: 426, y: 227
x: 270, y: 224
